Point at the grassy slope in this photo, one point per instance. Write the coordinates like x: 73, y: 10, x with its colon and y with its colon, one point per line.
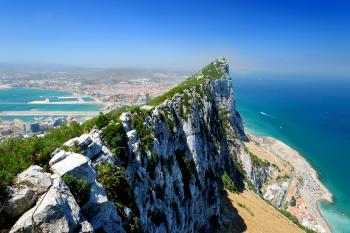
x: 258, y: 216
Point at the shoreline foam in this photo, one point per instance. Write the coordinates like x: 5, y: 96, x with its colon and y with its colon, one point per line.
x: 301, y: 167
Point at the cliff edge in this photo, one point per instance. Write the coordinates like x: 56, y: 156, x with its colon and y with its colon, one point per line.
x: 162, y: 167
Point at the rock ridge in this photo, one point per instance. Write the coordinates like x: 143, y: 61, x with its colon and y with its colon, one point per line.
x: 157, y: 169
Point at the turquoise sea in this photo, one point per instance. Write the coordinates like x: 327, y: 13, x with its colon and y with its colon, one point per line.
x: 311, y: 114
x: 16, y: 99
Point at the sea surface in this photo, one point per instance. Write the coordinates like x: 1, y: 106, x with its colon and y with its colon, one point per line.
x: 312, y: 115
x: 17, y: 99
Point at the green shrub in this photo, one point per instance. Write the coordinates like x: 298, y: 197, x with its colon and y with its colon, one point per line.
x: 115, y: 114
x: 117, y: 188
x: 115, y: 138
x: 144, y: 132
x: 78, y: 187
x: 18, y: 154
x: 293, y: 202
x: 228, y: 183
x: 75, y: 148
x: 256, y: 161
x: 284, y: 177
x: 102, y: 120
x: 168, y: 121
x: 245, y: 207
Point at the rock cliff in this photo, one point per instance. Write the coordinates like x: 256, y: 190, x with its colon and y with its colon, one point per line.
x: 155, y: 168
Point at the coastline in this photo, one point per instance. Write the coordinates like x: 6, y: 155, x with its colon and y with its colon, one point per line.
x: 314, y: 192
x: 79, y: 96
x: 4, y: 86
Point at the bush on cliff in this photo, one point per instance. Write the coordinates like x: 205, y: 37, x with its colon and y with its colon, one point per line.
x: 120, y: 193
x: 115, y: 138
x: 78, y: 187
x: 116, y: 186
x: 228, y: 183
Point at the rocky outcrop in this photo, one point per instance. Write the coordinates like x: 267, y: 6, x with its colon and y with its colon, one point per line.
x: 56, y: 211
x: 48, y: 205
x: 257, y: 171
x: 101, y: 212
x: 177, y: 182
x: 29, y: 185
x: 73, y: 164
x: 164, y: 171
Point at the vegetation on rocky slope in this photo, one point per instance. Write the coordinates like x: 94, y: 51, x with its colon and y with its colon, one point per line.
x: 114, y: 136
x: 120, y: 193
x: 18, y: 154
x: 214, y: 70
x: 78, y: 187
x: 228, y: 183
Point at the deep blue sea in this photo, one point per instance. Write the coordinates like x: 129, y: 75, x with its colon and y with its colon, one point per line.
x: 17, y: 99
x: 312, y: 115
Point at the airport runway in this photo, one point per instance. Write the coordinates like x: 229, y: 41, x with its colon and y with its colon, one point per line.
x: 49, y: 113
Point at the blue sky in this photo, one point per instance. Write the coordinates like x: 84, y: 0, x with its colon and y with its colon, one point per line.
x: 256, y: 36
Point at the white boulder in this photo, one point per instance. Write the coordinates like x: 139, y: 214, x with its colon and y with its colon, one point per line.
x: 93, y: 149
x: 29, y: 185
x: 76, y: 165
x: 84, y: 140
x: 125, y: 118
x: 21, y: 199
x: 132, y: 136
x: 71, y: 142
x: 56, y: 211
x: 35, y: 178
x: 104, y: 157
x: 61, y: 155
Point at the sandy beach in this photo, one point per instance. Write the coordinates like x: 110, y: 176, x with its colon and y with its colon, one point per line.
x: 313, y: 191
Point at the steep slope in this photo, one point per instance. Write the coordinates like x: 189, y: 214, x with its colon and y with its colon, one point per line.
x: 258, y: 216
x: 188, y: 153
x: 161, y: 167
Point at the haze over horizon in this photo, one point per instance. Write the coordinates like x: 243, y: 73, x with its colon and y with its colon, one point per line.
x: 274, y: 37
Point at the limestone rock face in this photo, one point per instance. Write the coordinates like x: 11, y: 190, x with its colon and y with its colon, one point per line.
x: 76, y: 165
x: 93, y: 149
x: 21, y: 199
x: 178, y: 152
x: 29, y: 185
x: 180, y: 191
x: 56, y: 211
x: 71, y: 142
x: 59, y: 156
x: 126, y: 120
x: 258, y: 174
x: 84, y: 140
x: 101, y: 212
x: 105, y: 156
x: 35, y: 178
